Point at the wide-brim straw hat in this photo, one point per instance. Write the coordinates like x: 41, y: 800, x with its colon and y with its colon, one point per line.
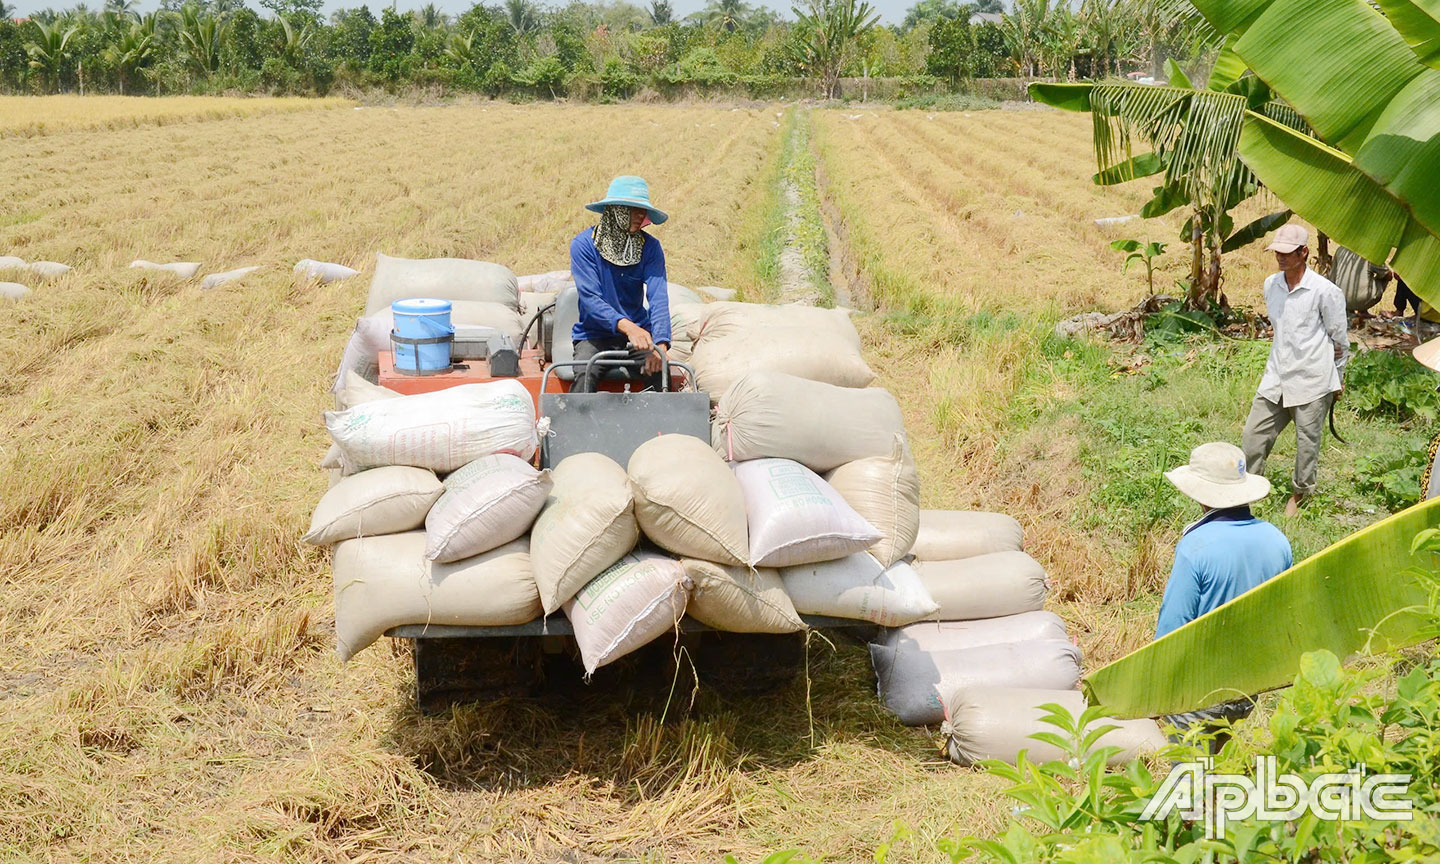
x: 1428, y: 354
x: 1216, y: 477
x: 629, y: 191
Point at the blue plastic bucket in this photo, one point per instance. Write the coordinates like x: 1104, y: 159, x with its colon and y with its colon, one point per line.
x: 422, y: 318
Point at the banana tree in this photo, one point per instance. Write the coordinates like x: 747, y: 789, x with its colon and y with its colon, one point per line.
x: 1194, y: 135
x: 827, y: 29
x: 1368, y: 83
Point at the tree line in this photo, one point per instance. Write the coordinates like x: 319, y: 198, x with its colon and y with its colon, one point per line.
x: 605, y: 50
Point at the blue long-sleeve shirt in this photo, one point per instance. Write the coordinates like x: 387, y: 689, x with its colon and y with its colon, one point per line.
x: 609, y: 293
x: 1221, y: 557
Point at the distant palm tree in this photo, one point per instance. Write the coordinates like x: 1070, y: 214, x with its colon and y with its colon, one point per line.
x: 132, y: 50
x: 203, y: 35
x: 730, y: 14
x: 430, y: 18
x: 826, y: 30
x: 6, y: 11
x: 524, y: 16
x: 661, y: 13
x: 51, y: 51
x: 123, y: 8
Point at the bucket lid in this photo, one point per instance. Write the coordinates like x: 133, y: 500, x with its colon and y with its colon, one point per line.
x: 421, y: 306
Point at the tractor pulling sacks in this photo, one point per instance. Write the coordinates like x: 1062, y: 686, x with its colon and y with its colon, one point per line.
x: 803, y: 502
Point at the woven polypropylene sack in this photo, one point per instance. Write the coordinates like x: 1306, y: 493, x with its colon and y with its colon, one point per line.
x: 886, y: 491
x: 725, y: 319
x: 858, y: 587
x: 740, y: 599
x: 821, y: 426
x: 441, y: 430
x: 997, y: 722
x: 588, y: 523
x: 985, y: 586
x: 688, y: 501
x: 795, y: 517
x: 945, y: 535
x: 443, y: 278
x: 384, y: 582
x: 487, y: 503
x: 821, y: 355
x: 910, y: 682
x: 379, y: 501
x: 631, y: 603
x: 943, y: 635
x: 324, y: 271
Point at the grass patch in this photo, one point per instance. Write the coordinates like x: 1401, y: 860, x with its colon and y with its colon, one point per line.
x: 947, y: 102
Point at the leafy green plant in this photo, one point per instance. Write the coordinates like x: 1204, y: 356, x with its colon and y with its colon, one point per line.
x: 1145, y: 253
x: 1393, y: 478
x: 1380, y: 383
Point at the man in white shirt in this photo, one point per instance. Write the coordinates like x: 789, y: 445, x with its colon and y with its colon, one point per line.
x: 1306, y: 366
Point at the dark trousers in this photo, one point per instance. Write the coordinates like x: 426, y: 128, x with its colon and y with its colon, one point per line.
x: 1405, y: 298
x: 587, y: 348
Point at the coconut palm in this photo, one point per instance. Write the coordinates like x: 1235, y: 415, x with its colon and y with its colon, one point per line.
x: 122, y: 9
x: 428, y: 17
x: 51, y: 49
x: 202, y: 36
x: 826, y: 30
x: 460, y: 47
x: 294, y: 41
x: 661, y: 13
x: 523, y: 15
x: 135, y: 47
x: 6, y: 11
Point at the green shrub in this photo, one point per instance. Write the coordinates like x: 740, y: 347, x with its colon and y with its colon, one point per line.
x: 1379, y: 383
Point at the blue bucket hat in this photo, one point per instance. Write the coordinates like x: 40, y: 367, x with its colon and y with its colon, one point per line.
x: 629, y: 191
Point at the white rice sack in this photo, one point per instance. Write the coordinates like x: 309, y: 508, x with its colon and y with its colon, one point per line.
x: 740, y: 599
x: 379, y: 501
x: 356, y: 391
x: 997, y: 722
x: 445, y: 278
x: 688, y: 501
x: 308, y: 268
x: 986, y: 586
x: 11, y: 262
x: 486, y: 503
x: 182, y: 269
x: 795, y: 517
x: 910, y: 682
x: 951, y: 635
x: 945, y: 535
x: 676, y: 293
x: 821, y: 355
x: 631, y: 603
x: 858, y: 587
x: 821, y: 426
x: 215, y: 280
x: 14, y: 291
x: 587, y: 524
x: 724, y: 319
x: 885, y: 490
x: 384, y: 582
x: 551, y: 282
x: 49, y: 269
x: 441, y: 430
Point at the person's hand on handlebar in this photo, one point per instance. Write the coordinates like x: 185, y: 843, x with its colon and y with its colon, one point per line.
x: 639, y: 337
x: 653, y: 359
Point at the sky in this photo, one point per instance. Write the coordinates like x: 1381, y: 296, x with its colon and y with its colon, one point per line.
x: 891, y: 11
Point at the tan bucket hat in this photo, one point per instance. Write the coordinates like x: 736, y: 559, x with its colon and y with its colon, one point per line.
x: 1428, y: 354
x: 1289, y: 238
x: 1216, y: 477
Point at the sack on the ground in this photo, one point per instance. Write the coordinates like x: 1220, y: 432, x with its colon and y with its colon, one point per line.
x: 384, y: 582
x: 12, y: 262
x: 910, y: 682
x: 795, y: 517
x: 945, y: 535
x: 740, y: 599
x: 49, y: 269
x: 858, y: 587
x: 821, y: 426
x: 676, y: 293
x: 950, y: 635
x: 372, y: 333
x: 985, y: 586
x: 441, y: 430
x: 588, y: 524
x: 14, y: 291
x: 442, y: 278
x: 631, y: 603
x: 379, y: 501
x: 886, y: 491
x: 997, y: 722
x: 324, y: 271
x: 215, y: 280
x: 688, y: 501
x: 183, y: 269
x: 822, y: 355
x: 486, y: 503
x: 725, y: 319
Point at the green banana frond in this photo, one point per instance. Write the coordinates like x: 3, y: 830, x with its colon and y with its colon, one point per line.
x: 1418, y: 21
x: 1353, y: 595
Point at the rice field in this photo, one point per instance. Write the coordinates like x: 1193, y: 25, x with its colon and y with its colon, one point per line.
x: 43, y: 115
x: 167, y: 684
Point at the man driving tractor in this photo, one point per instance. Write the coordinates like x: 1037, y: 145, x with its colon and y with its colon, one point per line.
x: 617, y: 268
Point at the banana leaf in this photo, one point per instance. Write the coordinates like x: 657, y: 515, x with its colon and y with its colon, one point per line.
x: 1357, y: 594
x: 1144, y: 165
x: 1418, y: 21
x: 1228, y: 67
x: 1176, y: 75
x: 1324, y: 186
x: 1067, y: 97
x: 1255, y: 230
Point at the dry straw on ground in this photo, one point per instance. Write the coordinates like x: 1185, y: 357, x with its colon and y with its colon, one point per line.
x: 42, y: 115
x: 167, y: 688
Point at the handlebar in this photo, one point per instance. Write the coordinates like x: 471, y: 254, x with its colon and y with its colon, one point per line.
x: 621, y: 359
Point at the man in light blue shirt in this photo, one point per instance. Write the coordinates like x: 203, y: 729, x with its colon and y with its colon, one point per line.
x: 1219, y: 557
